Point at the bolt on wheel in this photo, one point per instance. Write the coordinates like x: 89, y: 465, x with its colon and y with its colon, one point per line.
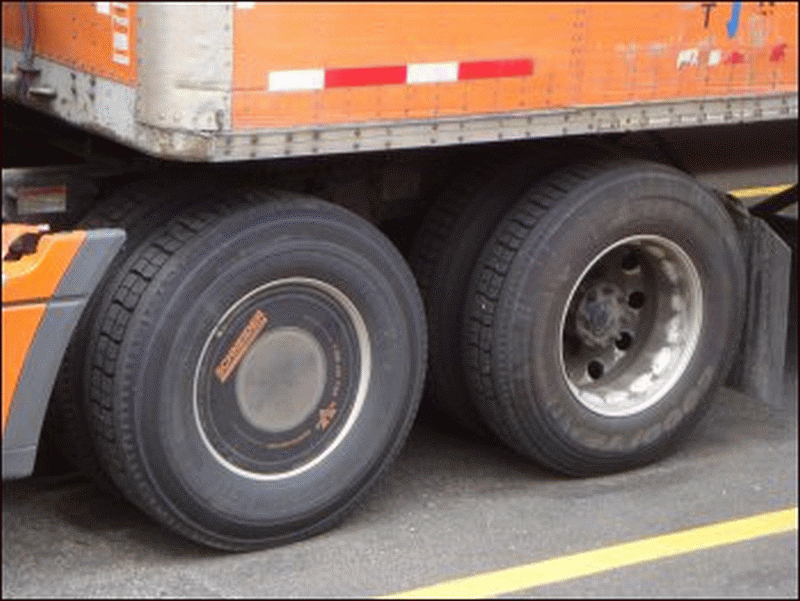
x: 631, y: 325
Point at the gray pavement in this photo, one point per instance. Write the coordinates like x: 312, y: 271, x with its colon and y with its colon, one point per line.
x: 750, y: 570
x: 450, y: 507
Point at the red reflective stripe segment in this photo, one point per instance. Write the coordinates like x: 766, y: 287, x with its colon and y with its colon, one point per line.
x: 735, y: 58
x: 364, y: 76
x: 778, y: 53
x: 411, y: 74
x: 487, y: 69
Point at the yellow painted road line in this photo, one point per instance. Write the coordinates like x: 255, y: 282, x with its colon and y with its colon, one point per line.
x: 762, y: 191
x: 564, y: 568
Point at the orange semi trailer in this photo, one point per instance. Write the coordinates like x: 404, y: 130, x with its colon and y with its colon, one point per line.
x: 209, y: 322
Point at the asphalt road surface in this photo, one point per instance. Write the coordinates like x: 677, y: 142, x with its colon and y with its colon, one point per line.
x: 449, y: 508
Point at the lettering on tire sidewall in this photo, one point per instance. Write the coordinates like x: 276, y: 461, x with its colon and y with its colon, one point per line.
x: 573, y: 422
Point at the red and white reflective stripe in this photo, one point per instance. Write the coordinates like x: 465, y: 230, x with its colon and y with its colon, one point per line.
x: 296, y: 80
x: 691, y: 57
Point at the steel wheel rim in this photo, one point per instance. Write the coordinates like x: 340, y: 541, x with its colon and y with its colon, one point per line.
x: 364, y: 352
x: 631, y: 325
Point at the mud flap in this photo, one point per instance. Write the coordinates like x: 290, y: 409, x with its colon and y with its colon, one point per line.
x: 758, y: 368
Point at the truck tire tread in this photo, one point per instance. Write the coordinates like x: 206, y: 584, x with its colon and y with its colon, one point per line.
x: 111, y: 427
x: 484, y: 362
x: 130, y: 208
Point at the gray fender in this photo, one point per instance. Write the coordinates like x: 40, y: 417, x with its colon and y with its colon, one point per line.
x: 29, y: 405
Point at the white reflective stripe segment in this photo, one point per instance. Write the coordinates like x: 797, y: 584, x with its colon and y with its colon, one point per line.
x: 688, y: 57
x: 714, y: 58
x: 245, y: 5
x: 122, y: 59
x: 431, y: 72
x: 120, y: 41
x: 296, y: 80
x: 103, y: 8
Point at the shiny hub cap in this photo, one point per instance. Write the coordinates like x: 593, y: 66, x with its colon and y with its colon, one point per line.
x: 282, y: 378
x: 631, y: 325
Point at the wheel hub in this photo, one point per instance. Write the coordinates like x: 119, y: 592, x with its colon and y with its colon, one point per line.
x: 600, y: 315
x: 631, y: 325
x: 281, y: 379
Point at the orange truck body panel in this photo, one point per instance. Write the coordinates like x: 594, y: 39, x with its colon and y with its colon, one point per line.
x: 36, y: 276
x: 19, y: 328
x: 28, y: 285
x: 77, y: 34
x: 214, y: 81
x: 582, y: 55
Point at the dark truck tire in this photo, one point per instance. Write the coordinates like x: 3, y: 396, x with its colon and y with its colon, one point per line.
x: 138, y: 208
x: 446, y: 248
x: 603, y: 314
x: 447, y: 243
x: 258, y: 365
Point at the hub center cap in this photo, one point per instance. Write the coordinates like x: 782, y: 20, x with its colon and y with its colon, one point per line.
x: 281, y: 379
x: 600, y: 314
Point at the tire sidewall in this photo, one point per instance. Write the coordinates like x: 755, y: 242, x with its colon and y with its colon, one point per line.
x: 548, y: 265
x: 449, y: 283
x: 253, y: 247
